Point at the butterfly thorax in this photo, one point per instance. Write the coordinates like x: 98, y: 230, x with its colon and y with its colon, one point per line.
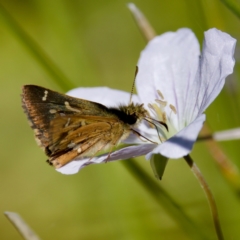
x: 131, y: 114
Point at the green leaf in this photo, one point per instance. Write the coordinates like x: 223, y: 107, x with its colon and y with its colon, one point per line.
x: 158, y: 164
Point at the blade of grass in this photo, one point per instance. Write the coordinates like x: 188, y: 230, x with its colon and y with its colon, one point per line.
x: 165, y: 200
x: 21, y: 226
x: 233, y: 6
x: 144, y: 26
x: 31, y: 45
x: 227, y: 167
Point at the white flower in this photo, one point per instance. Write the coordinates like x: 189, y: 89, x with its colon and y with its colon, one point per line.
x: 176, y: 85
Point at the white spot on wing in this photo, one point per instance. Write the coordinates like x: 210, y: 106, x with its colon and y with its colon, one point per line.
x: 71, y: 145
x: 68, y: 121
x: 44, y: 98
x: 70, y: 108
x: 52, y: 111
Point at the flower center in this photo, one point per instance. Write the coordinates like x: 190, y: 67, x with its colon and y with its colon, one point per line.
x: 165, y: 112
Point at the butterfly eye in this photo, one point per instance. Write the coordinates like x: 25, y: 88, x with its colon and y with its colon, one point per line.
x: 132, y: 119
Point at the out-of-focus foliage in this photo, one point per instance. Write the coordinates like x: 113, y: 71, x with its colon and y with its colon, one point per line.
x: 96, y: 43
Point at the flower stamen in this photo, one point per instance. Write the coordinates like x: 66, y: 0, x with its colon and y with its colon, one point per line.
x: 173, y: 108
x: 161, y: 102
x: 160, y: 94
x: 164, y: 117
x: 162, y: 111
x: 158, y: 111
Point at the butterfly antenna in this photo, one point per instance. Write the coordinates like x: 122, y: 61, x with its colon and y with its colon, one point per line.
x: 135, y: 75
x: 155, y: 128
x: 152, y: 119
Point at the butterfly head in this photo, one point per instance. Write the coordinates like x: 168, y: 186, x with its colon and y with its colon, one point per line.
x: 134, y: 113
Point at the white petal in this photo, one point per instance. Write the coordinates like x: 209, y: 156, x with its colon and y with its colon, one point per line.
x: 181, y: 144
x: 124, y: 153
x: 216, y: 64
x: 169, y: 63
x: 104, y: 95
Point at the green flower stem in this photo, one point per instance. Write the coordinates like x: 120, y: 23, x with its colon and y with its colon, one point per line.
x: 57, y: 75
x: 165, y: 200
x: 196, y: 171
x: 232, y: 6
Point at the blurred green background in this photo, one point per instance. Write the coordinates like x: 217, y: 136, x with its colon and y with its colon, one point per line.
x: 96, y: 43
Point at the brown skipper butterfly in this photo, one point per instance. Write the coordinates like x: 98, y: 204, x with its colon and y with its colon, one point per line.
x: 67, y: 127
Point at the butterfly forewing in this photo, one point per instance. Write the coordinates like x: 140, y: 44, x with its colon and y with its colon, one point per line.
x: 68, y: 127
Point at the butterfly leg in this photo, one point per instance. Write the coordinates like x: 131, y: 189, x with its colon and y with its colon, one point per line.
x: 109, y: 154
x: 141, y: 136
